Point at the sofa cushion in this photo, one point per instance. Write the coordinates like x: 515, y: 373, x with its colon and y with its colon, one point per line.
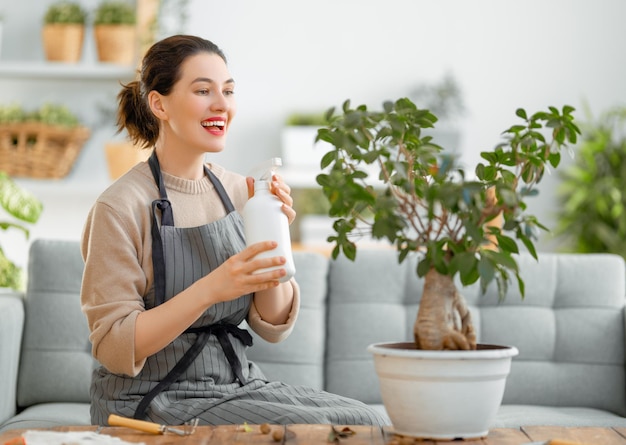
x: 49, y: 415
x: 56, y: 360
x: 11, y: 324
x: 371, y: 300
x: 569, y: 330
x: 298, y: 360
x: 512, y: 416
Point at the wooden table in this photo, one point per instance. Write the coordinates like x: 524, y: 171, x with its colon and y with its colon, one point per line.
x: 365, y: 435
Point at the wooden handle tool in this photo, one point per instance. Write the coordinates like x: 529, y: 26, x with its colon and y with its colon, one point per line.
x: 142, y: 425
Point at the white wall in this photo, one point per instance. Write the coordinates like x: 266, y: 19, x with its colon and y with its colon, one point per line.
x: 300, y: 55
x: 295, y: 55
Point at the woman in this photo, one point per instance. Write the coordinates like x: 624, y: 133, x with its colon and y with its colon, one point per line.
x: 167, y: 275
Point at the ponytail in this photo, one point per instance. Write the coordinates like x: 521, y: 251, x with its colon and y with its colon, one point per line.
x: 134, y: 115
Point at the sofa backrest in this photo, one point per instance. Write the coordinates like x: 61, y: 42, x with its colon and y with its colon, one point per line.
x: 56, y: 361
x: 569, y: 328
x: 299, y: 359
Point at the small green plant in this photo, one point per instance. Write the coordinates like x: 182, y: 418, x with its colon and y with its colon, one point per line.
x: 48, y: 113
x: 592, y: 194
x: 444, y: 99
x: 65, y: 12
x: 12, y: 113
x: 308, y: 119
x: 172, y: 17
x: 115, y: 12
x: 421, y: 201
x: 25, y: 208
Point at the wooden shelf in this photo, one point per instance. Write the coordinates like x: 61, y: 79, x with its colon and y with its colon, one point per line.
x: 66, y: 71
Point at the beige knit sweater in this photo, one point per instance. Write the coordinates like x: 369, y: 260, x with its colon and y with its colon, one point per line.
x: 117, y: 250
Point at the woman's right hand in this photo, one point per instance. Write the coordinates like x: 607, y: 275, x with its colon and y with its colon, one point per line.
x: 237, y: 277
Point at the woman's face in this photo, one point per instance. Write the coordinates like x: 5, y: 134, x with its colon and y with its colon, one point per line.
x: 201, y: 106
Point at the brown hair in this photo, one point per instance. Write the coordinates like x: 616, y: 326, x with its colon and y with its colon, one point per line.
x: 160, y: 70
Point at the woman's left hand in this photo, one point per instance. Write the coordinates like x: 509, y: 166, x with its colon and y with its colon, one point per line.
x: 279, y: 188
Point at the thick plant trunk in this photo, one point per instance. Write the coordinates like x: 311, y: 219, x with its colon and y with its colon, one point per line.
x: 443, y: 320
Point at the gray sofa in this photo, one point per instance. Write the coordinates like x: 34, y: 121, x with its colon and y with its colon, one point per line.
x: 569, y: 330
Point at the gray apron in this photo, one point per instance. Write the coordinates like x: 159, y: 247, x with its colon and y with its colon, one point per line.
x: 214, y: 382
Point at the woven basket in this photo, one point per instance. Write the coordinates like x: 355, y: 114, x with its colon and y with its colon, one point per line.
x: 36, y: 150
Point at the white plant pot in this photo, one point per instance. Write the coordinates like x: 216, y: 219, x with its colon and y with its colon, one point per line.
x: 299, y: 148
x: 442, y: 395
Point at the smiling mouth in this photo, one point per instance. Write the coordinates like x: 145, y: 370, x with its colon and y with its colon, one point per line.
x: 215, y: 124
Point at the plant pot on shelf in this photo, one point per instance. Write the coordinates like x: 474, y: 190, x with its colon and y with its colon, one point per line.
x: 147, y: 25
x: 441, y: 395
x: 122, y: 156
x: 116, y: 43
x: 63, y: 42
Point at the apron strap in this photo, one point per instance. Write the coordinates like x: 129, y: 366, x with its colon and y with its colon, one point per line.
x: 221, y: 331
x: 158, y: 257
x: 167, y: 219
x: 221, y: 192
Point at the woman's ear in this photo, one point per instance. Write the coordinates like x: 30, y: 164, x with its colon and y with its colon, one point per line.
x: 155, y: 101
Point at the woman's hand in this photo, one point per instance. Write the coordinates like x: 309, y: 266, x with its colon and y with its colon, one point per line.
x: 238, y: 275
x: 282, y: 191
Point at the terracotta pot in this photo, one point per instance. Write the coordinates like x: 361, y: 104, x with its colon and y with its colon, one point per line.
x: 441, y: 395
x: 63, y: 42
x: 116, y: 43
x: 122, y: 156
x: 147, y: 25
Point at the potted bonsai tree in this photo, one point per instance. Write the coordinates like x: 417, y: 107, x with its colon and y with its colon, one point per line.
x: 24, y: 208
x: 115, y: 32
x: 385, y: 175
x: 64, y: 31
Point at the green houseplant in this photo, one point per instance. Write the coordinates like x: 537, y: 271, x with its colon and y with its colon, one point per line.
x: 385, y: 175
x: 592, y: 197
x: 64, y: 31
x: 421, y: 201
x: 24, y: 208
x: 115, y: 32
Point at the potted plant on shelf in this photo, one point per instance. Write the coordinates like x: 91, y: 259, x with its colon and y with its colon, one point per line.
x: 300, y: 150
x: 121, y: 153
x: 115, y: 32
x: 64, y: 31
x: 384, y: 174
x: 159, y: 18
x: 445, y: 100
x: 43, y: 143
x: 592, y: 211
x: 24, y: 208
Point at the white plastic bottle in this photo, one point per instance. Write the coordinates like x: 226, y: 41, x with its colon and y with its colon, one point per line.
x: 264, y: 220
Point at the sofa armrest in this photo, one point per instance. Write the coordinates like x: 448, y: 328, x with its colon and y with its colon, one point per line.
x: 11, y: 328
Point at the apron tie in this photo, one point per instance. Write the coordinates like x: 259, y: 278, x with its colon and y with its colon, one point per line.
x: 221, y: 331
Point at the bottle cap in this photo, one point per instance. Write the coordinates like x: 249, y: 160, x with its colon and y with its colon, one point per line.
x: 263, y: 172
